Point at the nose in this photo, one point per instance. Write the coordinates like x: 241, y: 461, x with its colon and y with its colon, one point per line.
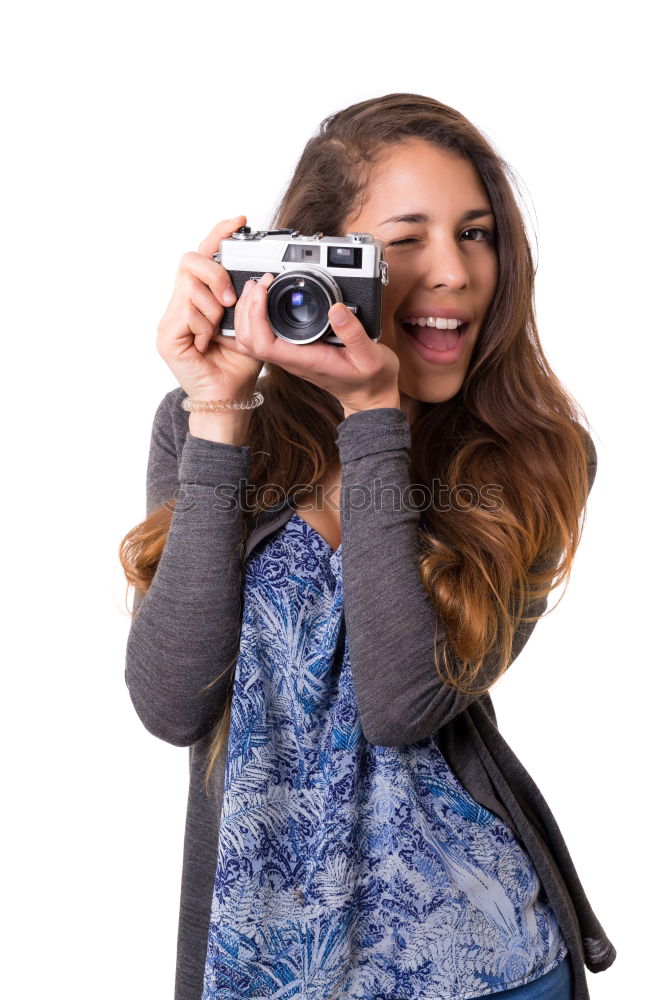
x: 445, y: 264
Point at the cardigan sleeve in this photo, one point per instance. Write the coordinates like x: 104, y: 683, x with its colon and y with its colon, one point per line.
x: 186, y: 628
x: 389, y: 617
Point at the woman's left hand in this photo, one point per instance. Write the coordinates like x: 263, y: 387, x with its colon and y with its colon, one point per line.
x: 361, y: 375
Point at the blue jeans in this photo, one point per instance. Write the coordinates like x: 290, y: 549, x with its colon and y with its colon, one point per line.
x: 555, y: 985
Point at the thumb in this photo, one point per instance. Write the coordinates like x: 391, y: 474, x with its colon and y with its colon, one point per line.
x: 347, y: 327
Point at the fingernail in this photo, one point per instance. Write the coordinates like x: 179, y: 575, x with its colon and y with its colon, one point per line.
x: 266, y: 278
x: 229, y: 296
x: 339, y: 313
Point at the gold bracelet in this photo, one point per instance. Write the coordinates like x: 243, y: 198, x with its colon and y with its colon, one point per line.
x: 221, y: 404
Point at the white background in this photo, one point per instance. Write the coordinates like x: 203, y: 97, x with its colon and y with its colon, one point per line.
x: 129, y: 131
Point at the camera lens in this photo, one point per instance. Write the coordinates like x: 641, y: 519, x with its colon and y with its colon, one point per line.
x: 302, y: 307
x: 298, y: 304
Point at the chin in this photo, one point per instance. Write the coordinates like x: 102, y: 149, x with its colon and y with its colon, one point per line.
x: 427, y: 386
x: 434, y: 394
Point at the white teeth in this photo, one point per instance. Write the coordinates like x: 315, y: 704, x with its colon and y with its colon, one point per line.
x: 436, y: 322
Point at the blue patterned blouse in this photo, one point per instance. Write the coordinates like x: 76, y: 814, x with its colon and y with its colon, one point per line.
x: 346, y: 869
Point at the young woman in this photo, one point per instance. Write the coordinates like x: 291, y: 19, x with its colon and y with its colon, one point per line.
x: 357, y: 826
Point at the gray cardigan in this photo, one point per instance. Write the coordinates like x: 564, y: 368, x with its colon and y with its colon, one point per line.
x: 187, y: 627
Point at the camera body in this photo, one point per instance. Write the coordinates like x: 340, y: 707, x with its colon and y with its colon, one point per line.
x: 311, y: 273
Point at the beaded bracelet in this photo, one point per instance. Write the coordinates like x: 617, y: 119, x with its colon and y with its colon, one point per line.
x: 221, y: 404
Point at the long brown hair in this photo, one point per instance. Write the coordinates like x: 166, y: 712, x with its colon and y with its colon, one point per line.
x: 511, y: 424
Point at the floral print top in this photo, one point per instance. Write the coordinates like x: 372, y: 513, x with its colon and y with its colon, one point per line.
x: 346, y: 869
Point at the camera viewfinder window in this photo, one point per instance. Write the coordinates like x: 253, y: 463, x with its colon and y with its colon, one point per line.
x: 345, y: 256
x: 303, y: 255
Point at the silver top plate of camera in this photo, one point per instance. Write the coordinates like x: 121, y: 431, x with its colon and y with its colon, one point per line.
x: 285, y: 248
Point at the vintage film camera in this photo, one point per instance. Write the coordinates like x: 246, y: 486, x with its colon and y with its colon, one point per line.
x: 312, y: 273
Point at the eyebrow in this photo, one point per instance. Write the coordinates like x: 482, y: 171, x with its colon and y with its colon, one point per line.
x: 418, y: 217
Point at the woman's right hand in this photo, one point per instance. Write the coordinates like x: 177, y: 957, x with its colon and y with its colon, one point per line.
x: 207, y: 365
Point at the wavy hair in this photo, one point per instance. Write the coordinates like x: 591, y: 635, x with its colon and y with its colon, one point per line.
x: 512, y: 423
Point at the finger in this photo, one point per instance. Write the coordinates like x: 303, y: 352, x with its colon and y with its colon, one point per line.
x: 317, y: 358
x: 241, y: 323
x: 201, y: 327
x: 207, y: 304
x: 263, y: 337
x: 230, y: 343
x: 211, y: 244
x: 362, y: 351
x: 210, y: 273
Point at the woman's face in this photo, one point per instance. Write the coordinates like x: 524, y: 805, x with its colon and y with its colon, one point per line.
x: 431, y: 211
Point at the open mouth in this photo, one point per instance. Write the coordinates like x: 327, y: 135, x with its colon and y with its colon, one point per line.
x: 433, y: 338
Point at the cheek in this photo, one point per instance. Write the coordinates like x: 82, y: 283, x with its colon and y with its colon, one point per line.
x: 491, y: 277
x: 391, y: 301
x: 394, y: 294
